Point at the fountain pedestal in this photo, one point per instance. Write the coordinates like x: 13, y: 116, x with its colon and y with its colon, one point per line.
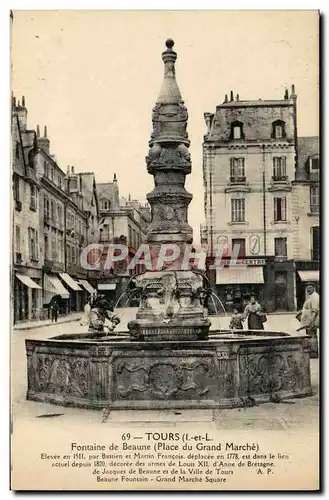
x: 220, y: 373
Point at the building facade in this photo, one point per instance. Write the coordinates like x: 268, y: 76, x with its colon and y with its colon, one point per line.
x: 250, y: 169
x: 306, y: 209
x: 54, y: 217
x: 121, y: 222
x: 26, y: 265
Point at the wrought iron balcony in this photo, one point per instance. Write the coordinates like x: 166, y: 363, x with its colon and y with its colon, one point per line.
x: 279, y: 178
x: 238, y: 180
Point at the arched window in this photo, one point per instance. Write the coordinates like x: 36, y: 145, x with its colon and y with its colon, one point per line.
x: 278, y: 129
x: 237, y: 130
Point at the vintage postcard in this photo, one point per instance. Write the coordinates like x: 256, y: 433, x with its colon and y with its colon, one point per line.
x: 165, y: 250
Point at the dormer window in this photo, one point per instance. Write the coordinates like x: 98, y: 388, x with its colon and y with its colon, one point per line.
x: 105, y: 205
x: 237, y: 130
x: 278, y: 129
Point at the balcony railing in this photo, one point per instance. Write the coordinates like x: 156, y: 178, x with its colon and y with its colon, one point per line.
x: 279, y: 178
x: 238, y: 180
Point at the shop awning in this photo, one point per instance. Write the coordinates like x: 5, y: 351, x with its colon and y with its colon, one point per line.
x: 71, y: 282
x: 87, y: 286
x: 107, y: 286
x: 235, y: 275
x: 27, y: 281
x: 309, y: 275
x: 53, y: 285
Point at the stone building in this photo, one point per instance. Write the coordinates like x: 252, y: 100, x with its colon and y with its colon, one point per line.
x: 306, y: 210
x: 249, y: 163
x: 27, y: 265
x: 124, y: 222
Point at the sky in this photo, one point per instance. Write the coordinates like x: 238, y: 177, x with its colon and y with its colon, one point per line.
x: 93, y: 78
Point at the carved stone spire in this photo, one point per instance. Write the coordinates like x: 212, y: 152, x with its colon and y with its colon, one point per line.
x: 162, y: 315
x: 169, y: 161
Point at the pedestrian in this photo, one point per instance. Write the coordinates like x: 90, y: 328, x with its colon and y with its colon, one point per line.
x: 236, y: 321
x: 253, y: 312
x: 310, y: 318
x: 85, y: 320
x: 54, y: 311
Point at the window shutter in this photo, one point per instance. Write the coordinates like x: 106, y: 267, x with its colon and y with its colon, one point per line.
x: 283, y: 161
x: 232, y: 167
x: 36, y: 245
x: 275, y: 209
x: 284, y: 208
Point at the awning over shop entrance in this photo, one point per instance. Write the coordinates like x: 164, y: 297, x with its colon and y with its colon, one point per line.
x: 87, y: 286
x: 235, y: 275
x: 27, y: 281
x: 71, y: 282
x: 54, y: 286
x: 107, y: 286
x: 309, y: 275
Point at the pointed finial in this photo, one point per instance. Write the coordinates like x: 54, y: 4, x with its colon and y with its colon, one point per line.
x: 45, y: 131
x: 226, y: 99
x: 286, y: 95
x: 23, y: 101
x: 38, y: 131
x: 231, y: 96
x: 169, y: 92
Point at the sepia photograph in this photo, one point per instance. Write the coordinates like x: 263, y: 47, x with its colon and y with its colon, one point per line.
x: 165, y: 250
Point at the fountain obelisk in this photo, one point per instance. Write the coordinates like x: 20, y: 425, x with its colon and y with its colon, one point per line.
x: 170, y: 306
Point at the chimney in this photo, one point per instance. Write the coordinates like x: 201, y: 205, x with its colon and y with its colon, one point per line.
x: 68, y: 170
x: 115, y: 177
x: 38, y: 131
x: 286, y: 95
x: 13, y: 101
x: 21, y: 113
x: 231, y: 96
x: 208, y: 118
x: 43, y: 142
x: 293, y: 94
x: 226, y: 99
x: 72, y: 169
x: 23, y: 101
x: 129, y: 197
x: 237, y: 97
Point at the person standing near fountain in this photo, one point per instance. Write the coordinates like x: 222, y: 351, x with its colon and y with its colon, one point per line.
x: 253, y: 312
x: 310, y: 316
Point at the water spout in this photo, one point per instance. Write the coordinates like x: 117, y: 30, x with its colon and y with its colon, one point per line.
x: 212, y: 293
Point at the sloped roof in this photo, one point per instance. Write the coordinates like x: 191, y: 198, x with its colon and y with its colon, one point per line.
x: 307, y: 147
x: 105, y: 191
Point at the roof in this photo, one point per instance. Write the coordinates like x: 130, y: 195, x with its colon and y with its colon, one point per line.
x: 256, y: 102
x: 105, y: 190
x: 307, y: 147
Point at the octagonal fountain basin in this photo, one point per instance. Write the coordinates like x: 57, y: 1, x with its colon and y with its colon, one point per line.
x: 231, y: 369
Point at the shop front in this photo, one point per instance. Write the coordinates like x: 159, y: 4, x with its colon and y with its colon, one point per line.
x: 27, y: 297
x: 54, y: 291
x: 108, y: 290
x: 235, y: 282
x: 76, y: 292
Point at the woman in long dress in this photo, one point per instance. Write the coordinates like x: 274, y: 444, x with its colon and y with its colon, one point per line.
x: 253, y: 312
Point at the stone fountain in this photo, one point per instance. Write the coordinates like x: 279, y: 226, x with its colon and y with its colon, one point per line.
x: 168, y: 359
